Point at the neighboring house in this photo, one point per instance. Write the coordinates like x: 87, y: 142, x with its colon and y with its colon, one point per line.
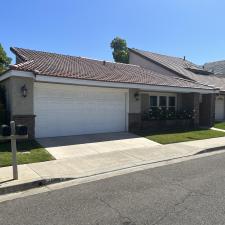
x: 59, y: 95
x: 180, y: 67
x: 217, y: 67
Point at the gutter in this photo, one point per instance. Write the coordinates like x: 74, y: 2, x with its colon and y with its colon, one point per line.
x: 144, y: 87
x: 74, y: 81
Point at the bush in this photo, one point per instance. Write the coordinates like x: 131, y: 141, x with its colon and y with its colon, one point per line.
x: 167, y: 114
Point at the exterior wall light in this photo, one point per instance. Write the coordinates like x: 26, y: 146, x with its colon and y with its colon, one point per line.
x: 24, y: 91
x: 136, y: 96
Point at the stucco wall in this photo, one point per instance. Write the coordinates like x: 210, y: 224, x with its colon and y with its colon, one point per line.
x: 145, y: 103
x: 16, y: 103
x: 21, y: 105
x: 20, y: 108
x: 134, y: 105
x: 138, y: 60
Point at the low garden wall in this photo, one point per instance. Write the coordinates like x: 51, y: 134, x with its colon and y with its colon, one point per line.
x: 161, y: 119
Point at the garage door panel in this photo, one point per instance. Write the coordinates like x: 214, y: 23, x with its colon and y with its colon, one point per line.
x: 69, y: 110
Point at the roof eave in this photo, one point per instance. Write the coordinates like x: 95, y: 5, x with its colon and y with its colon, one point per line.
x: 149, y: 87
x: 15, y: 52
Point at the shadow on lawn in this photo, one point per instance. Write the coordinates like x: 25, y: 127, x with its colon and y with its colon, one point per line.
x: 148, y: 132
x: 22, y: 146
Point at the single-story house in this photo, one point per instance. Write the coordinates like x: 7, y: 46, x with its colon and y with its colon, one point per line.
x: 181, y: 67
x: 60, y: 95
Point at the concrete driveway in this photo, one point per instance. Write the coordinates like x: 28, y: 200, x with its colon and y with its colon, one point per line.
x: 83, y: 145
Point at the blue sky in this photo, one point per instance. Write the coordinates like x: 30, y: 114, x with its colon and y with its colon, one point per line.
x: 194, y: 28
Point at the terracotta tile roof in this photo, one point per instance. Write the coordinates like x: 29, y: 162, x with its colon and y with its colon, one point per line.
x: 178, y: 65
x: 185, y: 68
x: 217, y: 67
x: 51, y: 64
x: 217, y: 81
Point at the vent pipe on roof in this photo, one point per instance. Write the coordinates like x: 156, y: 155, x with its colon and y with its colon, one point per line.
x: 104, y: 63
x: 184, y: 58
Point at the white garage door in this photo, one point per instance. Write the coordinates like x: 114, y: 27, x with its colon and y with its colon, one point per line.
x: 63, y: 110
x: 219, y: 109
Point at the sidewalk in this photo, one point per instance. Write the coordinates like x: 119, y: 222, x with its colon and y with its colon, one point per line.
x: 109, y: 161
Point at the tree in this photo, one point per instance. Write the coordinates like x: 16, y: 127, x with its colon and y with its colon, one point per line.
x: 120, y: 50
x: 4, y: 60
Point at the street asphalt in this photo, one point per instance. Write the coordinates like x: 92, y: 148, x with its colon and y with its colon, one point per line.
x: 191, y: 192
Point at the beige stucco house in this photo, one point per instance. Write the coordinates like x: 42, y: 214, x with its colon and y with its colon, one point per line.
x: 60, y: 95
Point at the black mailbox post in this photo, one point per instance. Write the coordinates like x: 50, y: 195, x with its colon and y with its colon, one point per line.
x: 21, y: 130
x: 5, y: 130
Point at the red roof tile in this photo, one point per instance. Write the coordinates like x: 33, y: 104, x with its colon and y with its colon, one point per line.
x: 51, y: 64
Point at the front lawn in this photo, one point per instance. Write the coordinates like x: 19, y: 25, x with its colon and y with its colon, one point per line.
x: 29, y: 151
x: 167, y: 137
x: 220, y: 125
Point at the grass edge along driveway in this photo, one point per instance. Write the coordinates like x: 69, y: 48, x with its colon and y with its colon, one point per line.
x: 28, y: 151
x: 168, y: 137
x: 220, y: 125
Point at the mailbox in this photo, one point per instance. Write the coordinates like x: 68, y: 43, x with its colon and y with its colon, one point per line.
x: 21, y: 130
x: 5, y: 130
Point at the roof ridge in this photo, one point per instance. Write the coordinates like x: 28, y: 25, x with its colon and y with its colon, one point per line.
x: 218, y: 61
x: 15, y: 50
x: 163, y: 55
x: 159, y: 54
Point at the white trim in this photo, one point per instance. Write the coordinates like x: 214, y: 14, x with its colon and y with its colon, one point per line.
x: 167, y: 95
x: 144, y: 87
x: 127, y: 102
x: 62, y: 80
x: 15, y: 73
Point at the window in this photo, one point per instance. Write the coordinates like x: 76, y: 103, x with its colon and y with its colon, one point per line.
x: 172, y: 103
x: 162, y: 102
x: 153, y: 101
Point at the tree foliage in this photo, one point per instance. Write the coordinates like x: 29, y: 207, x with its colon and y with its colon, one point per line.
x: 120, y: 50
x: 4, y: 60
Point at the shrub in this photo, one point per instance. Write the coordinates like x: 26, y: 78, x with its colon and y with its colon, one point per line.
x: 158, y: 113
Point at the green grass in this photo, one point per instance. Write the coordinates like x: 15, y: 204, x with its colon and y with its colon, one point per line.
x: 220, y: 125
x: 29, y: 151
x: 167, y: 137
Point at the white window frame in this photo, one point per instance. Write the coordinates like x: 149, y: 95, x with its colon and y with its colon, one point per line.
x: 167, y: 95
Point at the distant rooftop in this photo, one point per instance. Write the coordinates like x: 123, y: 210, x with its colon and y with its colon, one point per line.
x: 217, y: 67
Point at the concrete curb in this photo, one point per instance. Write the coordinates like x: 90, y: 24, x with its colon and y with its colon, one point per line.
x: 210, y: 150
x: 30, y: 185
x: 44, y: 182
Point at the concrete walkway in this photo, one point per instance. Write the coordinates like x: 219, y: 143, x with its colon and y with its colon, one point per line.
x: 218, y: 129
x: 88, y: 165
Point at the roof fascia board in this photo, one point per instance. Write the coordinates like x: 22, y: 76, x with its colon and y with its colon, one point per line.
x: 16, y: 73
x: 51, y: 79
x: 144, y: 87
x: 158, y: 64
